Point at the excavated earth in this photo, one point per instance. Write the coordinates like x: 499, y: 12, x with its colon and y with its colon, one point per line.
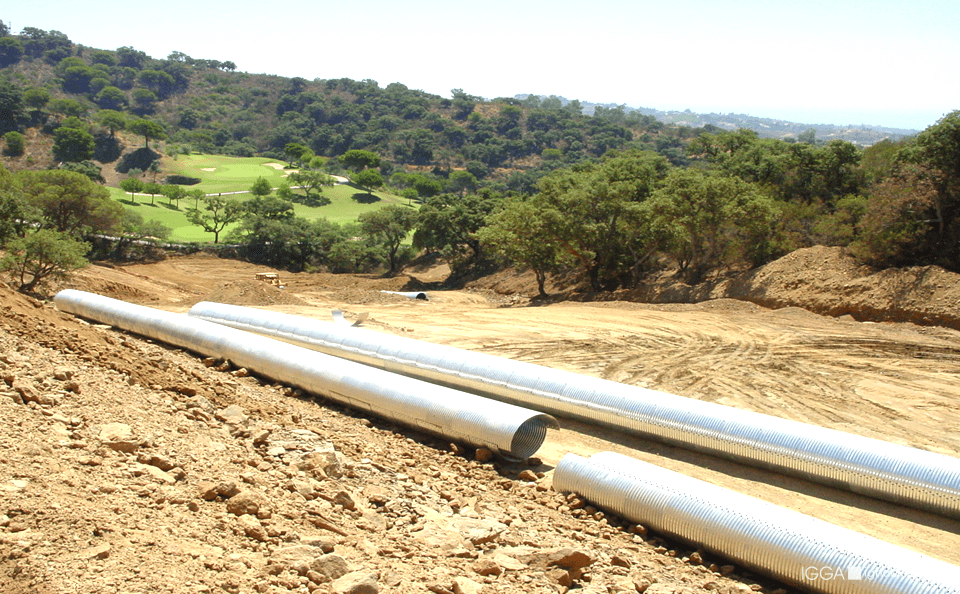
x: 128, y: 466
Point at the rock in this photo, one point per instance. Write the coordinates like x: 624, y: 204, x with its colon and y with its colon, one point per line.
x: 486, y: 566
x: 248, y: 502
x: 72, y: 386
x: 696, y: 558
x: 155, y: 460
x: 142, y: 469
x: 118, y: 437
x: 252, y: 527
x: 232, y: 415
x: 345, y: 500
x: 325, y: 461
x: 483, y: 455
x: 478, y: 531
x: 304, y: 488
x: 660, y: 589
x: 560, y: 576
x: 462, y: 585
x: 570, y: 558
x: 297, y: 558
x: 357, y: 582
x: 324, y: 543
x: 101, y: 551
x: 115, y: 432
x: 63, y: 373
x: 330, y: 567
x: 528, y: 475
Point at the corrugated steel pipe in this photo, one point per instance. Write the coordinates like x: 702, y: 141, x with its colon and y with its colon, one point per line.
x: 513, y: 431
x: 897, y: 473
x: 409, y: 294
x: 785, y: 544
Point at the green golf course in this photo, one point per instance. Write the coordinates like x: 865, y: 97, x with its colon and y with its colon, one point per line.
x: 226, y: 175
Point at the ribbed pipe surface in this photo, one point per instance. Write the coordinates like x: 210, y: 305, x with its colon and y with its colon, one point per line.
x: 868, y: 466
x: 787, y: 545
x: 511, y: 430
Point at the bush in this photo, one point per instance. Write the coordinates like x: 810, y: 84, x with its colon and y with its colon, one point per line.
x: 182, y: 180
x: 15, y: 144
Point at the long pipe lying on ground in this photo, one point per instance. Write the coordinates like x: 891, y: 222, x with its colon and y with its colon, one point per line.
x: 787, y: 545
x: 901, y: 474
x: 513, y: 431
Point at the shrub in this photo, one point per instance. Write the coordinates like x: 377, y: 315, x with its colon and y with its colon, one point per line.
x: 15, y: 144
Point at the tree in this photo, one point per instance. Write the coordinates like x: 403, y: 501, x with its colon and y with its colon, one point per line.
x: 14, y: 144
x: 591, y: 211
x: 152, y: 188
x: 173, y: 192
x: 715, y: 218
x: 134, y: 229
x: 312, y: 182
x: 462, y: 181
x: 42, y: 256
x: 36, y: 98
x: 132, y: 185
x: 11, y: 104
x: 216, y: 214
x: 111, y: 98
x: 72, y: 144
x: 144, y: 101
x: 518, y: 233
x: 112, y: 120
x: 261, y: 188
x: 69, y: 202
x: 148, y: 129
x: 11, y: 50
x: 368, y: 179
x: 360, y: 159
x: 294, y: 151
x: 389, y: 227
x: 449, y: 224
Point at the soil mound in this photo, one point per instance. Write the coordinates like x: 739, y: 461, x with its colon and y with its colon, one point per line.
x: 251, y: 293
x: 819, y: 279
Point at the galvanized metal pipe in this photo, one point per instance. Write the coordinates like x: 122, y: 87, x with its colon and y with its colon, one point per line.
x: 787, y: 545
x: 897, y: 473
x: 513, y: 431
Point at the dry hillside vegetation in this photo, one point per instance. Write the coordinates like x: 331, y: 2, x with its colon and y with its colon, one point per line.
x: 132, y: 467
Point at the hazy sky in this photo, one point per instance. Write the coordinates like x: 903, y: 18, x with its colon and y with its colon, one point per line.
x: 835, y: 61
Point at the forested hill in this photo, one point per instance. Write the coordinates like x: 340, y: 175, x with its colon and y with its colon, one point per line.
x: 205, y: 105
x: 530, y: 181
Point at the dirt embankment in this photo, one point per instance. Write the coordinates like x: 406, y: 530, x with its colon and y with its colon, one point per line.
x: 819, y: 279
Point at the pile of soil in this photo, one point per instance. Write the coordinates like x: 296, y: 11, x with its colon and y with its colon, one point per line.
x: 819, y: 279
x: 249, y: 293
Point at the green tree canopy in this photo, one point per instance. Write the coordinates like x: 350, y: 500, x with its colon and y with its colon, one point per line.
x: 360, y: 159
x: 149, y: 129
x: 69, y: 202
x: 518, y: 233
x: 73, y: 144
x: 368, y: 179
x: 216, y: 214
x: 132, y: 186
x: 261, y: 188
x: 43, y: 256
x: 389, y: 226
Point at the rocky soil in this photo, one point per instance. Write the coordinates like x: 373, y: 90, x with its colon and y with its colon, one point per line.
x: 130, y: 467
x: 127, y: 466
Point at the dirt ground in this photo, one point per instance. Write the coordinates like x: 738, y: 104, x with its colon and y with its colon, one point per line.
x: 894, y: 381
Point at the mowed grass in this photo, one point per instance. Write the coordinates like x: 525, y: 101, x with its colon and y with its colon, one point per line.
x: 231, y: 174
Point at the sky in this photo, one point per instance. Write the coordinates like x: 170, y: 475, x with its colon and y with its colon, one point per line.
x: 878, y: 62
